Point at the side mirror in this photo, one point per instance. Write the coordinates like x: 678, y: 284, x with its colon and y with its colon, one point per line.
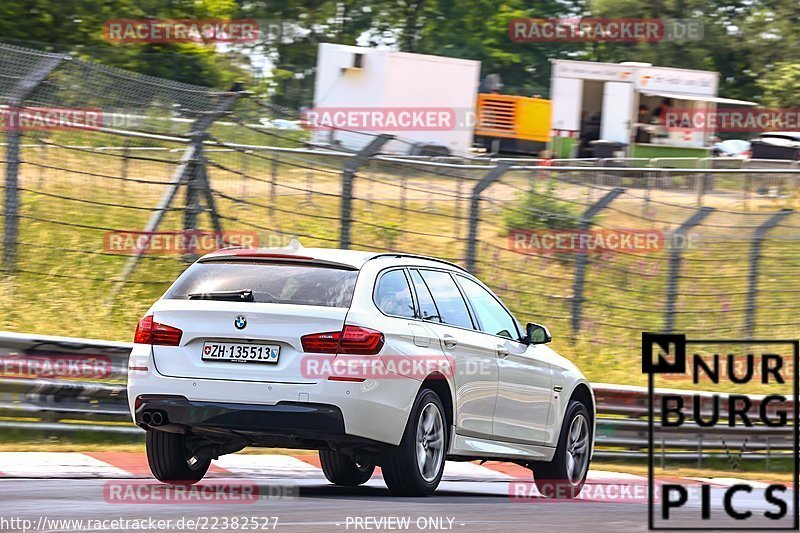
x: 537, y: 334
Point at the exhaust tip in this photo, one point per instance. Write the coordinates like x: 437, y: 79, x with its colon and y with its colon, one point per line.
x: 146, y: 418
x: 156, y: 418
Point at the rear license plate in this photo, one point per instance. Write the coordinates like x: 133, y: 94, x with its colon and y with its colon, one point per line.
x: 237, y: 352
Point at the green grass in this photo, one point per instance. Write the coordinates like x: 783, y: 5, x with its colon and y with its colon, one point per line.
x: 68, y: 285
x: 780, y: 470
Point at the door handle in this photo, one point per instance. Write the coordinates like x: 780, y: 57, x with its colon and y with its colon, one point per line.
x: 502, y: 351
x: 450, y: 341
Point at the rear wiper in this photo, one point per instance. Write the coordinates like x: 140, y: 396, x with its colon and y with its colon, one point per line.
x: 245, y: 295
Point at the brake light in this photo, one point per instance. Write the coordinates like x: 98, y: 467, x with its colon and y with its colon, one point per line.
x: 321, y: 342
x: 254, y: 252
x: 351, y: 340
x: 150, y: 332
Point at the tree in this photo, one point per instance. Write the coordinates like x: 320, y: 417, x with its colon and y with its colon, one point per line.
x: 479, y: 30
x: 304, y: 24
x: 77, y: 27
x: 781, y: 85
x: 742, y: 39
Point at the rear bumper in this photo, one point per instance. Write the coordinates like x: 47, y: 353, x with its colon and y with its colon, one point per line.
x: 284, y: 420
x: 273, y: 413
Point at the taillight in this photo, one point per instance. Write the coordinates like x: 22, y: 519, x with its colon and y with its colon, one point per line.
x: 361, y: 341
x: 150, y: 332
x: 351, y: 340
x: 321, y: 342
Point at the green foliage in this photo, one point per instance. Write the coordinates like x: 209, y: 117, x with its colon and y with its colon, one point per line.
x: 388, y: 233
x: 77, y: 27
x: 754, y: 45
x: 742, y: 40
x: 541, y: 210
x: 781, y: 85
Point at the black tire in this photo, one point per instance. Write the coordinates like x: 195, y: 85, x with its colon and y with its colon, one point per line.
x: 400, y: 468
x: 167, y: 457
x: 341, y: 469
x: 553, y: 479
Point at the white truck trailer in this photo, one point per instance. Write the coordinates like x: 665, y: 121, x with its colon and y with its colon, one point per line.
x: 602, y: 100
x: 385, y: 84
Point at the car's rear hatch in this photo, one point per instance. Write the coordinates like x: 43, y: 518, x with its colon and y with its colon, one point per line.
x: 288, y: 302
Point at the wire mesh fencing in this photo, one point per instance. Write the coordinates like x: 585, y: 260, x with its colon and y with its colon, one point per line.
x: 100, y: 217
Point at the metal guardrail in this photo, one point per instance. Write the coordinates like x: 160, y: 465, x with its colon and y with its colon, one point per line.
x: 69, y: 406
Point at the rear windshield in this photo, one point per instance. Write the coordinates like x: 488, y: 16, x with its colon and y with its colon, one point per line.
x: 268, y: 282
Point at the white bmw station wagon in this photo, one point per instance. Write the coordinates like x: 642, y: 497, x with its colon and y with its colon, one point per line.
x: 374, y: 359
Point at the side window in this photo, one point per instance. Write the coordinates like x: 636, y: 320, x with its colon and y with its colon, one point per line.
x: 426, y: 306
x: 492, y: 316
x: 393, y: 295
x: 449, y: 302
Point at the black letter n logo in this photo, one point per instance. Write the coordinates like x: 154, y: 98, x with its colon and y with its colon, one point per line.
x: 663, y: 353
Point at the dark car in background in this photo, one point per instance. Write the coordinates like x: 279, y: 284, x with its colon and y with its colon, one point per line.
x: 776, y: 145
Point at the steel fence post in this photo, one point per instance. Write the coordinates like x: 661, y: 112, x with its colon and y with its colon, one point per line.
x: 675, y: 265
x: 15, y: 99
x: 474, y: 211
x: 581, y: 259
x: 746, y: 190
x: 11, y: 203
x: 351, y: 165
x: 755, y: 260
x: 243, y: 171
x: 192, y: 200
x: 273, y: 184
x: 700, y: 185
x: 699, y: 452
x: 192, y: 161
x: 42, y: 160
x: 126, y: 155
x: 648, y: 185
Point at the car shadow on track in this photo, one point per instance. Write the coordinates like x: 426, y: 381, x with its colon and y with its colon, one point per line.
x: 369, y: 492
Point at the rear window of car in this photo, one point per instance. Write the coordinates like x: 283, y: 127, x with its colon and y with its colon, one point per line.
x: 268, y: 282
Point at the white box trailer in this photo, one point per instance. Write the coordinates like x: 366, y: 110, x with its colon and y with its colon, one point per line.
x: 604, y: 98
x: 351, y: 77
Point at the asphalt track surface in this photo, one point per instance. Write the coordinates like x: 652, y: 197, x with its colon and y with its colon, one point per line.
x: 114, y: 491
x: 456, y: 506
x: 314, y: 505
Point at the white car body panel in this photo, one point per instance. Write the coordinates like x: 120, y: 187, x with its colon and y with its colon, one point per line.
x: 280, y: 324
x: 511, y: 408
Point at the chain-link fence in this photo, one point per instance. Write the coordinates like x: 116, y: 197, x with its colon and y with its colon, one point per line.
x: 99, y: 218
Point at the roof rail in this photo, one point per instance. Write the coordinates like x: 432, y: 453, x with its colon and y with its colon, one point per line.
x: 417, y: 256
